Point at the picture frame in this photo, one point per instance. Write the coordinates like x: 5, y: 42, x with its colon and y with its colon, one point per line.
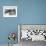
x: 38, y: 30
x: 9, y: 11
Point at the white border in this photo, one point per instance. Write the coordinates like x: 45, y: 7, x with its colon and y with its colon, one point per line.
x: 18, y: 33
x: 9, y: 7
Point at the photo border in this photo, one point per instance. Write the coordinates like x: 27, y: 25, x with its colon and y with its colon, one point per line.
x: 9, y: 7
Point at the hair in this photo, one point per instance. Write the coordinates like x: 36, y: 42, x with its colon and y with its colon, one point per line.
x: 10, y: 10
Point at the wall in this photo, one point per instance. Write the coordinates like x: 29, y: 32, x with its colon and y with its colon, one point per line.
x: 29, y: 12
x: 7, y: 25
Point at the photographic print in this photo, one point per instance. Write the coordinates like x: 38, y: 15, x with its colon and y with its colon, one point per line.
x: 33, y: 32
x: 29, y: 34
x: 9, y: 11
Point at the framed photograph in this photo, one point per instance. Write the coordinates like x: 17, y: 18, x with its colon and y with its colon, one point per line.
x: 31, y: 32
x: 9, y: 11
